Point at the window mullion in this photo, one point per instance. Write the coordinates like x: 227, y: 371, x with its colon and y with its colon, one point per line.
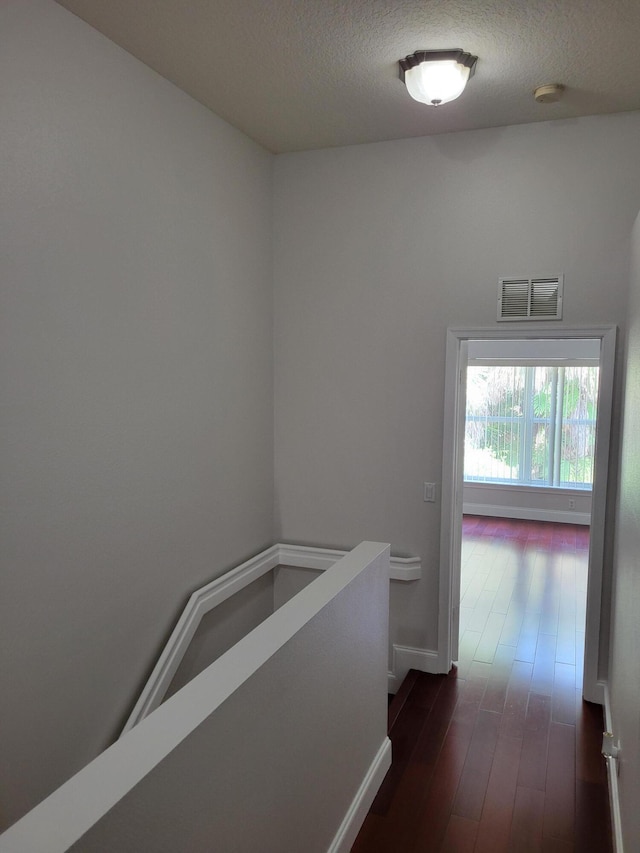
x: 526, y: 434
x: 554, y: 456
x: 558, y: 428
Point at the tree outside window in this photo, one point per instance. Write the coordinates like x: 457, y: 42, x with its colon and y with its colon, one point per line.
x: 533, y: 425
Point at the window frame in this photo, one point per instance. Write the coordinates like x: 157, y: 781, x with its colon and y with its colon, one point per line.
x: 527, y: 421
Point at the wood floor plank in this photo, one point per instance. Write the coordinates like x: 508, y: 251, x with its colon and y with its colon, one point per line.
x: 502, y: 754
x: 533, y: 758
x: 544, y: 665
x: 426, y: 692
x: 542, y: 536
x: 496, y: 573
x: 516, y: 700
x: 434, y: 819
x: 504, y: 592
x: 510, y: 635
x: 590, y: 766
x: 557, y: 845
x: 404, y: 738
x: 566, y: 644
x: 460, y: 836
x: 486, y: 648
x: 412, y: 785
x: 495, y: 694
x: 431, y: 739
x: 550, y: 610
x: 475, y: 775
x: 495, y: 822
x: 400, y: 698
x: 466, y: 651
x: 526, y: 825
x: 563, y: 703
x: 474, y: 587
x: 481, y: 611
x: 593, y: 821
x: 567, y: 625
x: 368, y: 839
x: 465, y: 713
x: 528, y: 640
x: 560, y: 800
x: 579, y: 652
x: 543, y: 580
x: 465, y: 615
x: 582, y: 538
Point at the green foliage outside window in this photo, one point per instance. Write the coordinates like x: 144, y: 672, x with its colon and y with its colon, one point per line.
x: 533, y: 424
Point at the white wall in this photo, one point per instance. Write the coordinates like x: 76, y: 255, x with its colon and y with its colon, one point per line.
x: 624, y: 667
x: 222, y: 627
x: 378, y: 249
x: 136, y: 381
x: 289, y: 581
x: 226, y: 624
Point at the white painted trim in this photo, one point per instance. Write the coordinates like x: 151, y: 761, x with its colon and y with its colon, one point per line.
x: 405, y: 569
x: 562, y: 516
x: 361, y: 803
x: 452, y: 495
x: 218, y: 590
x: 606, y: 705
x: 596, y: 693
x: 306, y: 557
x: 69, y: 812
x: 201, y: 602
x: 408, y: 657
x: 592, y: 675
x: 612, y: 778
x: 457, y: 340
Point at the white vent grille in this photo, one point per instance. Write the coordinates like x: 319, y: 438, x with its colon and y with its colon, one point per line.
x: 530, y: 298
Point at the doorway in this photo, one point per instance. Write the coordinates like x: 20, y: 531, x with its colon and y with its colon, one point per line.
x: 458, y: 341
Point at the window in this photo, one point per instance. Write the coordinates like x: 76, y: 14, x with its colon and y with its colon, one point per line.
x: 531, y: 425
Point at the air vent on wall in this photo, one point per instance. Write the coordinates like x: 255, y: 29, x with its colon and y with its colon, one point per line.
x: 530, y: 298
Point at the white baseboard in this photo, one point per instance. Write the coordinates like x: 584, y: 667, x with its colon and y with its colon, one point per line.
x: 354, y: 818
x: 612, y: 779
x: 406, y: 658
x: 595, y: 692
x: 557, y: 515
x: 218, y: 590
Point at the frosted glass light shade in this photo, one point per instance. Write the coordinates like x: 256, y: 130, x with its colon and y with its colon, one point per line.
x: 437, y: 76
x: 436, y: 82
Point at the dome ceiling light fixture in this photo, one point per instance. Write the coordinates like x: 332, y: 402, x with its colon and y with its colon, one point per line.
x: 436, y: 77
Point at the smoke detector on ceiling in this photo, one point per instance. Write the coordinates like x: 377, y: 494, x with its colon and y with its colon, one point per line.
x: 548, y: 94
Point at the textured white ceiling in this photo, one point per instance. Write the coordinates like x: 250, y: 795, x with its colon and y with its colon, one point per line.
x: 300, y: 74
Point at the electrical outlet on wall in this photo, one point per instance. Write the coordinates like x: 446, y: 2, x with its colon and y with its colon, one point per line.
x: 572, y: 503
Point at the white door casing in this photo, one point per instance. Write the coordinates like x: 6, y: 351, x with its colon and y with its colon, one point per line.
x: 452, y: 481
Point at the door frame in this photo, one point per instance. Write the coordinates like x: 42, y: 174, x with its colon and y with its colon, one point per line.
x: 452, y: 484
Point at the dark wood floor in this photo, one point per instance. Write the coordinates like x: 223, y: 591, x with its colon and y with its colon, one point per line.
x: 501, y: 754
